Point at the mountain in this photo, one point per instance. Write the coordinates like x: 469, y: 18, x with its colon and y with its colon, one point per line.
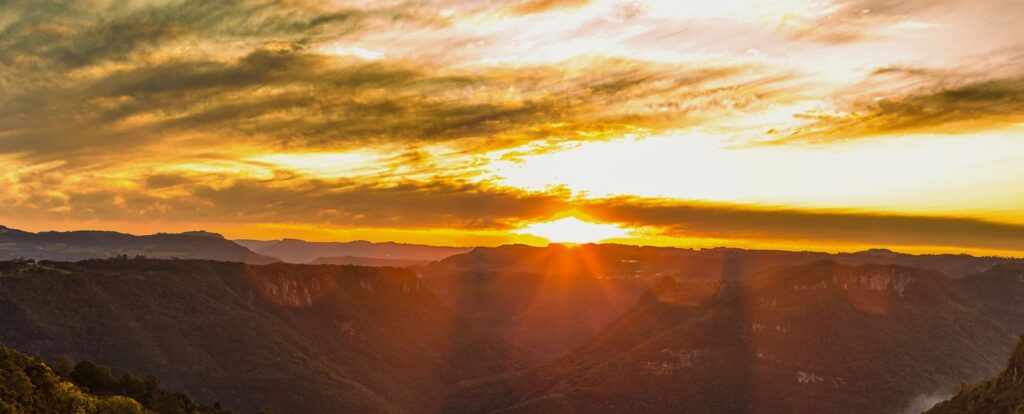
x: 1003, y: 394
x: 817, y: 337
x: 29, y: 384
x: 81, y: 245
x: 371, y: 261
x: 300, y: 251
x: 289, y: 338
x: 546, y: 300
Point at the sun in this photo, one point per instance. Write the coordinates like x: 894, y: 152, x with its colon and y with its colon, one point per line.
x: 574, y: 230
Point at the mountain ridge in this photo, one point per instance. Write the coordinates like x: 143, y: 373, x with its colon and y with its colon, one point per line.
x: 97, y: 244
x: 301, y: 251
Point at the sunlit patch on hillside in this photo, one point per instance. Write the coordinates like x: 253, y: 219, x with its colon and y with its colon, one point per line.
x: 573, y: 230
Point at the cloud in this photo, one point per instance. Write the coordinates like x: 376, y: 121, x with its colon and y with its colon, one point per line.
x: 967, y: 107
x: 849, y: 21
x: 283, y: 95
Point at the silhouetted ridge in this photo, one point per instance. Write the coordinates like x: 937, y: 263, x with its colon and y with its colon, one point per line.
x: 300, y: 251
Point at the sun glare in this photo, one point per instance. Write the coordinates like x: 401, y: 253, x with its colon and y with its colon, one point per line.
x: 574, y: 230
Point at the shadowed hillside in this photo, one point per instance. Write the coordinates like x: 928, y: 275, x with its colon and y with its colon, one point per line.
x: 820, y: 337
x: 1003, y: 394
x: 291, y: 338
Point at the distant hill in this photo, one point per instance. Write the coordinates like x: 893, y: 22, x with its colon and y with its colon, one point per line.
x: 81, y: 245
x: 289, y: 338
x: 1003, y: 394
x: 722, y: 263
x: 300, y: 251
x: 953, y: 265
x: 817, y: 337
x: 30, y: 385
x: 371, y: 261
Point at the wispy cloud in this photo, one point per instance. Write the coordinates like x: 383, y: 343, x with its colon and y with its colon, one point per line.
x: 968, y: 107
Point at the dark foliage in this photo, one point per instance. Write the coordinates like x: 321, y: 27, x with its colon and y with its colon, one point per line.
x: 1003, y: 394
x: 28, y: 385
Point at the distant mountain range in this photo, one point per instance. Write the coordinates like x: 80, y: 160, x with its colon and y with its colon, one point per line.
x: 301, y: 251
x: 81, y: 245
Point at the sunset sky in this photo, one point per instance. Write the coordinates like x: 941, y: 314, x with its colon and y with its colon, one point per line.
x: 824, y: 125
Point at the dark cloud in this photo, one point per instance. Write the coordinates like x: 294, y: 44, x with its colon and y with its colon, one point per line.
x: 160, y: 181
x: 746, y: 222
x: 902, y: 71
x: 965, y: 108
x: 287, y: 198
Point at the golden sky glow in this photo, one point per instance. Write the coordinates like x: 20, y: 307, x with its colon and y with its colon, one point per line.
x: 831, y: 125
x: 573, y: 230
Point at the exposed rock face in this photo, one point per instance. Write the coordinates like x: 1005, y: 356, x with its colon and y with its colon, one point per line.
x: 889, y: 279
x: 277, y: 285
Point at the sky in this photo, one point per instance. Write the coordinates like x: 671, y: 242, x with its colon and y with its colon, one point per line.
x: 789, y: 124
